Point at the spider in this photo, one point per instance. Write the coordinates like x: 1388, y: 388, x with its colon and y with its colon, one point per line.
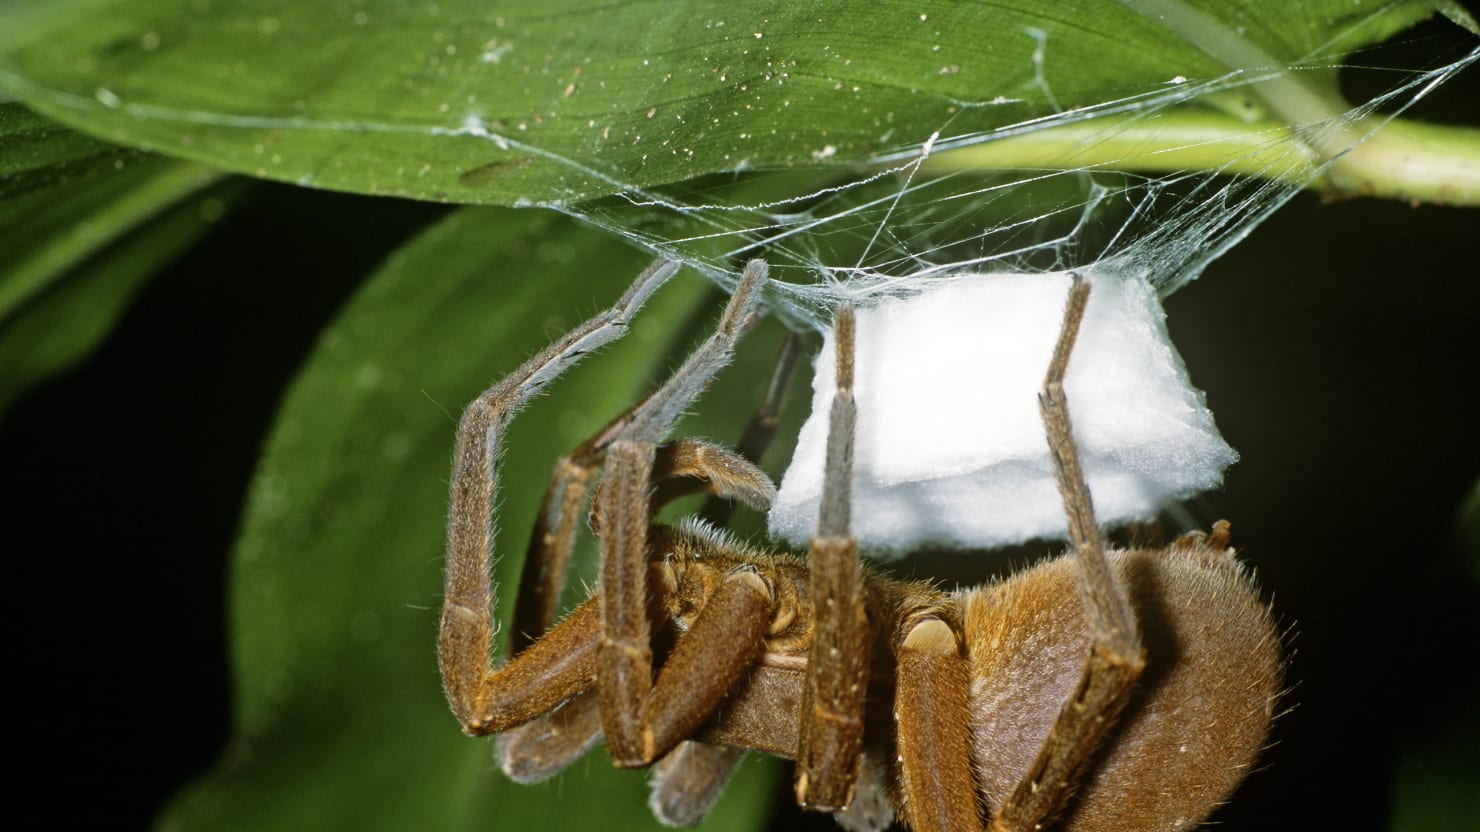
x: 1101, y: 690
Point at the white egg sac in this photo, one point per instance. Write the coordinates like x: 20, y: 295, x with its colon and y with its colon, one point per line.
x: 950, y: 448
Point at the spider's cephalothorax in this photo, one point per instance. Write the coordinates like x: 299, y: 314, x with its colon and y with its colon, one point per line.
x: 1102, y: 690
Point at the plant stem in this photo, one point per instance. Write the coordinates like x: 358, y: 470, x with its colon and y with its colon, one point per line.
x: 1399, y: 159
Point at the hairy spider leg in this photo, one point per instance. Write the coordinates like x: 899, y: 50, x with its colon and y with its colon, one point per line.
x: 539, y: 748
x: 682, y: 794
x: 486, y: 698
x: 687, y: 782
x: 830, y: 733
x: 932, y: 708
x: 542, y: 747
x: 760, y: 431
x: 642, y: 717
x: 546, y: 564
x: 1116, y: 657
x: 561, y: 668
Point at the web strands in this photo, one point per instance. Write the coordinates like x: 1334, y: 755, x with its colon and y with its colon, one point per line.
x: 919, y: 226
x: 920, y: 214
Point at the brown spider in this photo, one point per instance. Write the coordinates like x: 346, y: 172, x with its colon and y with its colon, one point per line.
x: 1009, y: 705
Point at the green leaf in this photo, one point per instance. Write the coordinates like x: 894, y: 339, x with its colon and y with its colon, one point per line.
x: 1434, y: 785
x: 37, y: 153
x: 341, y: 721
x: 564, y: 100
x: 84, y: 225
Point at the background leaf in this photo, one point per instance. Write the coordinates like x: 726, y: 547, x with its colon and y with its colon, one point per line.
x: 529, y: 102
x: 85, y: 225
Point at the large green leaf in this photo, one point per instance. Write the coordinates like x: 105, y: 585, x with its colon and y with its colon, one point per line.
x: 84, y: 225
x: 569, y: 99
x: 341, y: 721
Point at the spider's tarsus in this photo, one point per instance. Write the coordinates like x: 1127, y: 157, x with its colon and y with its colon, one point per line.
x: 646, y: 283
x: 834, y: 517
x: 657, y: 415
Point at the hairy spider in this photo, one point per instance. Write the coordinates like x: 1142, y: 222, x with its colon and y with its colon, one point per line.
x: 1007, y: 706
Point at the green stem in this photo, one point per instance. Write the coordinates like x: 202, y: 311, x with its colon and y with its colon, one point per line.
x: 1412, y: 161
x: 1399, y: 160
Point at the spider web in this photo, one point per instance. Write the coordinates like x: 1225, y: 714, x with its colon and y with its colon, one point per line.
x: 922, y: 213
x: 915, y: 214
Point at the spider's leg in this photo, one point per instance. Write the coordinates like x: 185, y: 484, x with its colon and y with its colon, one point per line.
x: 830, y: 739
x: 622, y: 513
x: 543, y: 577
x: 1116, y: 657
x: 761, y: 430
x: 538, y: 749
x: 688, y: 780
x: 558, y: 667
x: 656, y: 415
x: 872, y: 809
x: 625, y: 663
x: 688, y: 466
x: 547, y: 560
x: 644, y: 719
x: 465, y: 639
x: 933, y: 728
x: 720, y: 647
x: 693, y: 466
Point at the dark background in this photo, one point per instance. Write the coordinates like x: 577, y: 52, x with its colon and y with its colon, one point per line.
x: 1338, y: 347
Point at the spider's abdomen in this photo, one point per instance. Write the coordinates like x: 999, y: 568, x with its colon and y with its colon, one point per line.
x: 1199, y: 715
